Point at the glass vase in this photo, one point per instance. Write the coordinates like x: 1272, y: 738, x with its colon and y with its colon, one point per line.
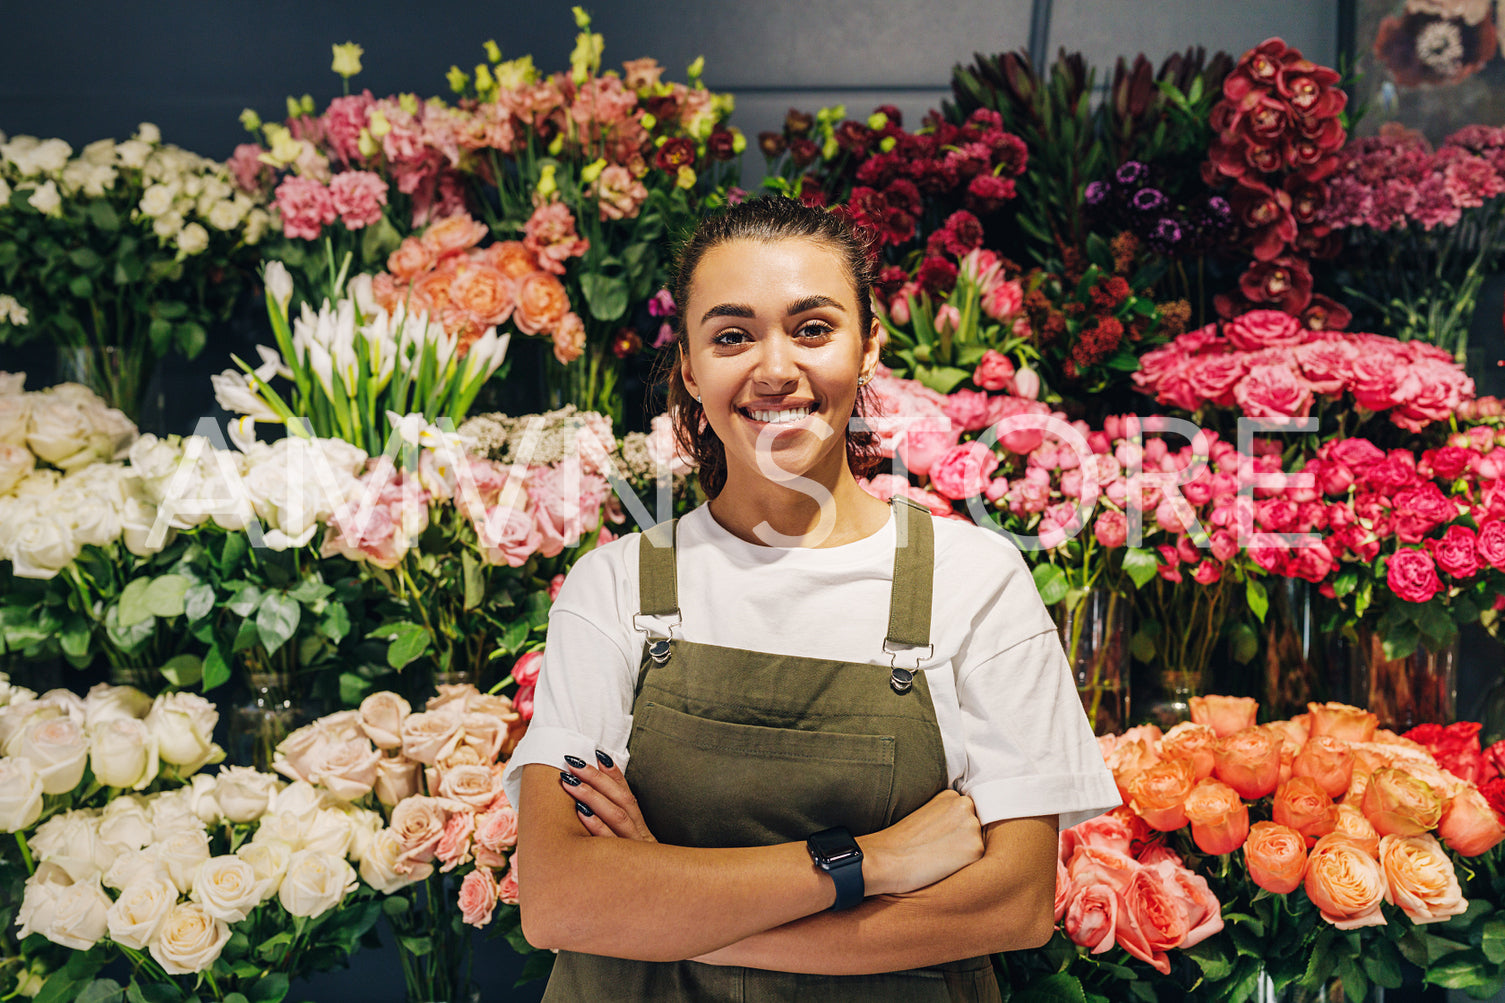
x: 1095, y: 636
x: 1292, y: 665
x: 118, y: 375
x: 1293, y: 992
x: 269, y: 713
x: 148, y: 679
x: 1421, y: 688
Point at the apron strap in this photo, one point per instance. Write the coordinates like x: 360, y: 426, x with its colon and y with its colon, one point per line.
x: 658, y: 587
x: 914, y: 568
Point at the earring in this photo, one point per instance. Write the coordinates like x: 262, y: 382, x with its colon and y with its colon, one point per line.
x: 862, y: 380
x: 697, y: 398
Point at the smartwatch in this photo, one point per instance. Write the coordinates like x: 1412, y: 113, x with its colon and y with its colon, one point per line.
x: 837, y: 853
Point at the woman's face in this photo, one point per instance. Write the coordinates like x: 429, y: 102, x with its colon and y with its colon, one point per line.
x: 774, y: 354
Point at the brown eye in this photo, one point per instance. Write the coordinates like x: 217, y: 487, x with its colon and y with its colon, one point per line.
x: 815, y: 329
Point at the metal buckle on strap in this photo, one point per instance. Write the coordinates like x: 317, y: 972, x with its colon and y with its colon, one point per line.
x: 901, y: 678
x: 658, y: 647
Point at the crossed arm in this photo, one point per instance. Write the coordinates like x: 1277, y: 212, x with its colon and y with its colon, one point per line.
x: 940, y: 888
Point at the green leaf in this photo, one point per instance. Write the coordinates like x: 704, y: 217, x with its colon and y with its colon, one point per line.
x: 81, y: 287
x: 191, y: 338
x: 198, y: 601
x: 101, y: 990
x: 165, y: 596
x: 1492, y: 940
x: 1382, y: 961
x: 104, y: 216
x: 277, y: 620
x: 1345, y: 583
x: 268, y: 989
x: 132, y: 606
x: 475, y: 584
x: 335, y: 623
x: 245, y: 601
x: 408, y: 642
x: 1061, y: 987
x: 1051, y: 583
x: 943, y: 379
x: 1243, y: 643
x: 85, y: 258
x: 538, y: 966
x: 1140, y: 565
x: 1257, y: 598
x: 246, y: 637
x: 1458, y: 970
x: 606, y: 295
x: 216, y: 671
x: 183, y: 670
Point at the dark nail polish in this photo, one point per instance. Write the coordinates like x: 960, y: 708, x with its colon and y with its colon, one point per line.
x: 604, y: 760
x: 569, y: 778
x: 582, y: 809
x: 578, y: 764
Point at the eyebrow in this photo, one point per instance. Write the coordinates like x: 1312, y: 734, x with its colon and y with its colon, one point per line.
x: 746, y: 312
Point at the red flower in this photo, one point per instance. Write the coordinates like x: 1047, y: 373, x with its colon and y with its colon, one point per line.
x: 986, y: 193
x: 720, y: 145
x: 674, y: 154
x: 1323, y: 314
x: 1454, y: 746
x: 1412, y: 575
x: 802, y: 151
x: 1266, y: 215
x: 936, y: 276
x: 1455, y: 552
x: 1284, y: 283
x: 1490, y: 543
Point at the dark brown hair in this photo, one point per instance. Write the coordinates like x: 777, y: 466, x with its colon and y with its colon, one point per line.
x: 766, y: 220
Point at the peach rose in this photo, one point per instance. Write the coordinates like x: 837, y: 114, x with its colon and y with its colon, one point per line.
x: 569, y: 338
x: 477, y: 897
x: 1224, y: 715
x: 512, y: 258
x: 1204, y: 913
x: 1399, y: 804
x: 427, y: 736
x: 1366, y: 759
x: 1219, y: 818
x: 1276, y: 857
x: 1420, y: 878
x: 1091, y: 916
x: 395, y: 780
x: 1149, y: 734
x: 1108, y: 832
x: 1151, y: 920
x: 1089, y: 865
x: 1341, y: 720
x: 1327, y: 760
x: 1345, y: 883
x: 1063, y: 889
x: 476, y: 786
x: 1302, y: 804
x: 1159, y: 793
x: 541, y: 303
x: 431, y: 293
x: 1191, y: 741
x: 455, y: 235
x: 411, y: 259
x: 1249, y: 762
x: 1127, y: 761
x: 1350, y: 822
x: 483, y: 293
x: 419, y: 822
x: 506, y: 889
x: 1468, y: 824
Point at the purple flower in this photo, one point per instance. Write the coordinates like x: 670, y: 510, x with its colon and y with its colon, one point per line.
x: 1167, y: 232
x: 1131, y: 172
x: 1218, y: 206
x: 1148, y: 200
x: 1097, y: 192
x: 662, y: 304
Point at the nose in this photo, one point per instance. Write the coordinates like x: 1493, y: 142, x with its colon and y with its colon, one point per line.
x: 776, y: 371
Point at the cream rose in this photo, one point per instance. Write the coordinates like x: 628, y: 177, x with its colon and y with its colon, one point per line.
x: 427, y: 736
x: 181, y: 854
x: 39, y: 899
x: 71, y: 841
x: 382, y: 715
x: 138, y: 914
x: 190, y: 940
x: 16, y: 463
x: 42, y: 546
x: 131, y: 866
x: 20, y: 794
x: 124, y: 824
x: 123, y: 753
x: 184, y: 726
x: 383, y: 869
x: 15, y: 419
x: 78, y: 918
x: 57, y: 748
x: 269, y: 860
x: 419, y: 824
x: 228, y: 888
x: 315, y: 882
x: 476, y: 786
x: 107, y: 703
x: 245, y: 792
x: 346, y: 769
x: 330, y: 831
x: 396, y: 779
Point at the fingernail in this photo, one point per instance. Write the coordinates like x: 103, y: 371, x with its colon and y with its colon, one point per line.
x: 603, y: 759
x: 582, y: 809
x: 578, y: 764
x: 569, y: 778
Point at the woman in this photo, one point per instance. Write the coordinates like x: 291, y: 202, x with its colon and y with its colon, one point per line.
x: 839, y: 788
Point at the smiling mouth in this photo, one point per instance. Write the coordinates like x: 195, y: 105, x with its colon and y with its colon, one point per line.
x: 778, y: 416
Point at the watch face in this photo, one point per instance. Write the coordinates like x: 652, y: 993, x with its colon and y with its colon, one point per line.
x: 833, y: 847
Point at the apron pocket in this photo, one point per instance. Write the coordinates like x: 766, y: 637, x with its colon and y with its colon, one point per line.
x: 704, y: 782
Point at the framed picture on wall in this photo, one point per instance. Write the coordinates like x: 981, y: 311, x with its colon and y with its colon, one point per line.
x: 1430, y: 65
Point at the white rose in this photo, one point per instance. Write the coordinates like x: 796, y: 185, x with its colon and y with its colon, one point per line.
x: 315, y: 882
x: 157, y: 199
x: 67, y: 703
x: 138, y: 914
x: 78, y: 917
x: 16, y: 462
x: 193, y: 239
x: 137, y: 520
x: 90, y: 518
x: 131, y: 866
x: 39, y: 900
x: 57, y: 748
x: 269, y: 860
x: 39, y: 485
x: 227, y: 888
x: 148, y: 133
x: 181, y: 854
x: 71, y: 841
x: 123, y: 753
x: 59, y: 428
x: 100, y: 153
x: 382, y: 868
x: 171, y: 812
x: 364, y: 825
x: 12, y: 695
x: 190, y: 940
x: 227, y: 215
x: 346, y: 769
x: 42, y: 547
x: 20, y: 794
x: 51, y: 155
x: 15, y: 418
x: 12, y: 384
x: 184, y: 726
x: 5, y: 192
x: 300, y: 798
x: 125, y: 825
x: 133, y: 153
x: 15, y: 718
x: 329, y: 832
x: 167, y: 225
x: 281, y: 827
x: 111, y: 703
x: 203, y: 800
x: 46, y: 199
x: 244, y: 792
x: 12, y: 312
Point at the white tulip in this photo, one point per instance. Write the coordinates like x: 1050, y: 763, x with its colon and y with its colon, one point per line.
x: 279, y: 283
x: 232, y: 391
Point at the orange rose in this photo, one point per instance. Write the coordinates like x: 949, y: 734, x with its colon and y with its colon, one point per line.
x: 1141, y: 836
x: 1127, y: 761
x: 541, y: 303
x: 431, y: 294
x: 1249, y: 762
x: 1219, y: 818
x: 1151, y: 919
x: 1351, y: 823
x: 1159, y: 793
x: 1341, y: 720
x: 411, y: 259
x: 1105, y: 832
x: 1469, y: 825
x: 1149, y: 734
x: 1090, y: 865
x: 1204, y: 913
x: 1063, y: 889
x: 1366, y: 759
x: 1345, y: 883
x: 1193, y: 742
x: 569, y: 338
x: 1398, y: 804
x: 482, y: 292
x: 1327, y: 760
x: 1091, y: 915
x: 1224, y: 715
x: 1420, y: 878
x: 1302, y: 804
x: 1276, y: 857
x: 512, y: 258
x: 454, y: 235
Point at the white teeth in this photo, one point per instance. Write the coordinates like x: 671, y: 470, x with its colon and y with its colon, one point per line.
x: 779, y: 417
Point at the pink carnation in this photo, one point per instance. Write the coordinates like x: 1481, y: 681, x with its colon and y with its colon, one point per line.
x: 358, y: 197
x: 550, y: 235
x: 305, y: 206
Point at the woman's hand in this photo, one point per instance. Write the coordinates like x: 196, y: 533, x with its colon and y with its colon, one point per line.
x: 933, y: 842
x: 604, y: 803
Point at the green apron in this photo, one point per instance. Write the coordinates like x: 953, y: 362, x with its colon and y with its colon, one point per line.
x: 747, y: 748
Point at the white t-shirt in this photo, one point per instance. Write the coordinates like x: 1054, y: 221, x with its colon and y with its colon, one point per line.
x: 1015, y: 736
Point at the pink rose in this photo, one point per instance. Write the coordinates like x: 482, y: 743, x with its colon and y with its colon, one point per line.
x: 1377, y: 378
x: 1063, y: 889
x: 1273, y: 392
x: 419, y: 823
x: 523, y: 702
x: 1150, y: 920
x: 1091, y: 916
x: 1017, y: 423
x: 525, y: 671
x: 358, y: 196
x: 1455, y: 553
x: 1203, y: 910
x: 509, y: 536
x: 1264, y: 329
x: 1490, y: 543
x: 1214, y: 377
x: 1108, y: 832
x: 506, y: 891
x: 478, y: 894
x: 550, y: 235
x: 453, y: 847
x: 1412, y: 575
x: 305, y: 207
x: 994, y: 371
x: 496, y: 830
x: 1326, y: 363
x: 967, y: 409
x: 925, y: 441
x: 1111, y: 528
x: 963, y: 471
x: 555, y: 584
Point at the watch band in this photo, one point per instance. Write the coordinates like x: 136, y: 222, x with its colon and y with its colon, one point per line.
x: 849, y: 888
